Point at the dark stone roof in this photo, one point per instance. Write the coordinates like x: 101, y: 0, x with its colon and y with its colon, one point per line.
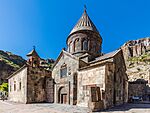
x: 66, y: 53
x: 84, y: 23
x: 106, y: 56
x: 33, y: 53
x: 102, y: 59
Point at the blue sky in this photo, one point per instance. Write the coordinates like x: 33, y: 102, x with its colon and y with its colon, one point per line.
x: 47, y: 23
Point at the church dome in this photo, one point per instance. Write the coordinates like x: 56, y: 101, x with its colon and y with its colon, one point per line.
x: 84, y: 23
x: 84, y: 38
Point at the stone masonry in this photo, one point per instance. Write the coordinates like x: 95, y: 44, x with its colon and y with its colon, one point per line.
x: 31, y: 83
x: 83, y: 76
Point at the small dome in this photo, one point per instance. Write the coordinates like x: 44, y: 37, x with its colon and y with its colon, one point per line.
x: 84, y: 23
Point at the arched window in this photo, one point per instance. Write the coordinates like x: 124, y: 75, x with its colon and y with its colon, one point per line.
x: 76, y: 44
x: 85, y: 44
x: 63, y: 71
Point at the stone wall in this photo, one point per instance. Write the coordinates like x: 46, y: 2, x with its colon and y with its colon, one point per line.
x: 18, y: 92
x: 109, y: 85
x: 120, y: 79
x: 87, y: 78
x: 36, y: 84
x: 97, y: 85
x: 49, y: 89
x: 65, y: 85
x: 137, y: 89
x: 31, y: 84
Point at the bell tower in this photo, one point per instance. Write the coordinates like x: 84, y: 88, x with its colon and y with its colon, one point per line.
x: 84, y: 38
x: 33, y: 58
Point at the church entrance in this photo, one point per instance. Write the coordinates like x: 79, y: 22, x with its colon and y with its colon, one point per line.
x: 62, y: 96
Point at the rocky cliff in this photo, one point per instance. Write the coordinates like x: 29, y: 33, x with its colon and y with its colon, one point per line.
x: 8, y: 64
x: 137, y: 59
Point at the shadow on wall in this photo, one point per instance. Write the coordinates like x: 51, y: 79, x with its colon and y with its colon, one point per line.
x: 139, y: 97
x: 139, y: 91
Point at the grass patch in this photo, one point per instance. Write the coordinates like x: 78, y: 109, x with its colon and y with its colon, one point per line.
x: 142, y: 58
x: 9, y: 62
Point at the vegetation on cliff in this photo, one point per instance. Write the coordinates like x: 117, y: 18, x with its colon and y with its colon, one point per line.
x: 8, y: 64
x: 143, y: 58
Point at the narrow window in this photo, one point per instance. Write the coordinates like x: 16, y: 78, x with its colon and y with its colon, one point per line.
x: 94, y: 46
x: 20, y: 85
x: 85, y: 45
x: 14, y: 85
x: 10, y: 87
x: 76, y: 45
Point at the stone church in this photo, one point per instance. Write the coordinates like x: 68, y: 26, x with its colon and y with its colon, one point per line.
x: 84, y: 76
x: 81, y: 75
x: 31, y: 83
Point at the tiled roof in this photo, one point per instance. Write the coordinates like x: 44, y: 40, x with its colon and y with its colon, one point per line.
x: 84, y: 23
x: 106, y: 56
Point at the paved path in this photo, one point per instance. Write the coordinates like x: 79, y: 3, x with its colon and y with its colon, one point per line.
x: 129, y: 108
x: 9, y: 107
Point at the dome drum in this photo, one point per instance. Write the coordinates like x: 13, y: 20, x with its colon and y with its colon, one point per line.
x: 84, y: 42
x: 84, y: 38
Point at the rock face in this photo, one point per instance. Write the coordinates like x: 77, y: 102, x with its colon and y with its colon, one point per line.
x: 137, y: 59
x: 136, y: 48
x: 8, y: 64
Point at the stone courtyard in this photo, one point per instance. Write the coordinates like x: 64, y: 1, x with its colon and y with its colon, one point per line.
x: 9, y: 107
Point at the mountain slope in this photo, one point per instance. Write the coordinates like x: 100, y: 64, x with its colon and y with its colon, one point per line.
x: 9, y: 63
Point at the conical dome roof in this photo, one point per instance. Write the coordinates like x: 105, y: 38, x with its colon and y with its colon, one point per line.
x: 33, y: 53
x: 84, y: 23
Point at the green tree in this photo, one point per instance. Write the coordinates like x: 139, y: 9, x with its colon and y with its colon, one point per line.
x: 4, y: 87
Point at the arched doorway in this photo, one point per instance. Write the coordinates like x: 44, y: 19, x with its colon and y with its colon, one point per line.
x: 62, y: 95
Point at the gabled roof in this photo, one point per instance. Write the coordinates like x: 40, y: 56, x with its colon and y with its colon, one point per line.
x: 66, y: 53
x: 84, y: 23
x: 107, y: 56
x: 102, y: 59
